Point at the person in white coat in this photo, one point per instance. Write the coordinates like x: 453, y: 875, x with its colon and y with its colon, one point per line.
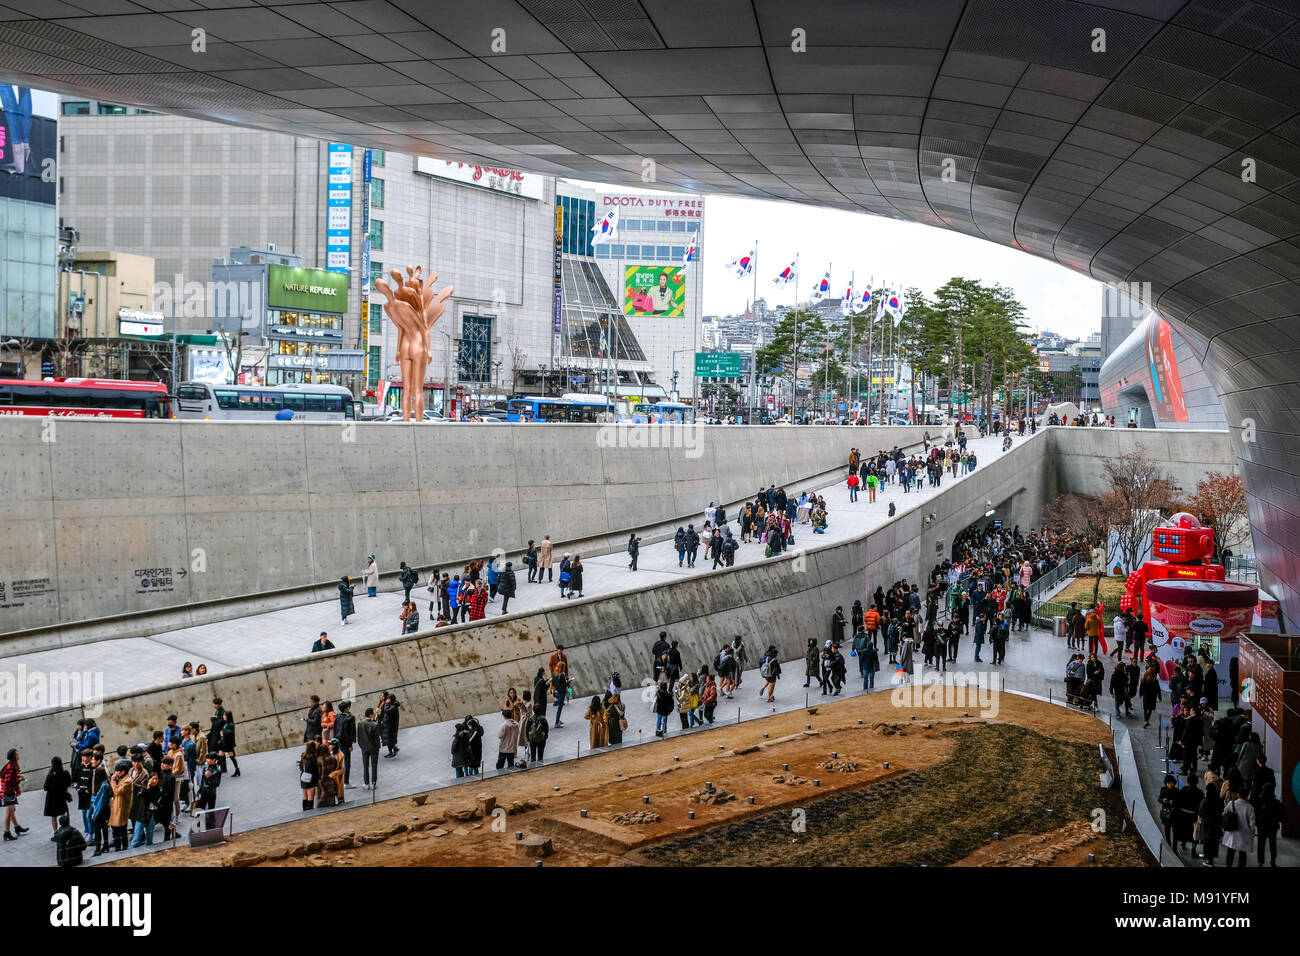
x: 1241, y: 838
x: 371, y: 576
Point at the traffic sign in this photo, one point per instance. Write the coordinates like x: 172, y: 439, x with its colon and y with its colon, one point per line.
x: 717, y: 365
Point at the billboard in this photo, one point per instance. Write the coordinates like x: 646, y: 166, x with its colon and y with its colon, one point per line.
x: 28, y: 144
x: 658, y: 205
x: 298, y: 289
x: 516, y: 182
x: 1167, y: 384
x: 654, y: 290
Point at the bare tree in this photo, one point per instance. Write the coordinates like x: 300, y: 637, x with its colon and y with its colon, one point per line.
x: 1078, y: 514
x: 1137, y: 493
x: 1220, y: 502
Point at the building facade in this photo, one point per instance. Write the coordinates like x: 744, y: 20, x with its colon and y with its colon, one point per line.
x: 186, y: 192
x: 28, y: 220
x: 661, y: 302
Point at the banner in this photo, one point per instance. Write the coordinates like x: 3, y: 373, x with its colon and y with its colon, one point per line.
x: 28, y: 142
x: 654, y: 290
x: 338, y: 210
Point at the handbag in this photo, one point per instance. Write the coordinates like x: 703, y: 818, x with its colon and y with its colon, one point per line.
x: 622, y: 723
x: 306, y: 777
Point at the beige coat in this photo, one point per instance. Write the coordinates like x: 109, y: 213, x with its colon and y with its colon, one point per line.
x: 544, y: 554
x: 371, y: 575
x: 119, y: 814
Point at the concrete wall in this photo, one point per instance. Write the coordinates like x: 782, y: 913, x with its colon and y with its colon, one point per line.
x: 237, y: 510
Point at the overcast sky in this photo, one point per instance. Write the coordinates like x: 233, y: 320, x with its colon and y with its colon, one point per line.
x: 899, y: 253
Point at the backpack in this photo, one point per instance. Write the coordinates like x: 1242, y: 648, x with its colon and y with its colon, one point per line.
x: 765, y: 668
x: 99, y: 805
x: 1229, y: 821
x: 535, y: 730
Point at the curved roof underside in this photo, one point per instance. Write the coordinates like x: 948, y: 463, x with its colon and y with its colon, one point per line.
x: 1125, y: 164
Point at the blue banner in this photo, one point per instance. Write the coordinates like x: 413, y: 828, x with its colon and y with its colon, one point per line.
x: 338, y: 210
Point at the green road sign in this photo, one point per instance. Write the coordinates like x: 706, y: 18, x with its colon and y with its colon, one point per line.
x: 717, y: 365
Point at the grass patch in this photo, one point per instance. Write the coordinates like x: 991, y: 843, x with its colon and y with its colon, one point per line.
x: 1000, y: 778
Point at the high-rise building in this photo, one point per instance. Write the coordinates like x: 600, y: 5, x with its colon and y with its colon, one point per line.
x: 186, y: 192
x: 28, y: 223
x: 661, y: 302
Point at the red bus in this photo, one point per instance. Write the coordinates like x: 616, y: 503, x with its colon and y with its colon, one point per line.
x: 85, y: 398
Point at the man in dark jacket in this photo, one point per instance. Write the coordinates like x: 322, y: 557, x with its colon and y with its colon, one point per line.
x: 312, y: 721
x: 409, y: 577
x: 506, y: 586
x: 368, y: 742
x: 661, y: 647
x: 837, y: 626
x: 345, y: 729
x: 633, y: 550
x: 68, y: 844
x: 692, y: 545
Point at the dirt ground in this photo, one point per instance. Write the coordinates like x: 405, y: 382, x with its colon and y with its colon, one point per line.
x: 951, y: 782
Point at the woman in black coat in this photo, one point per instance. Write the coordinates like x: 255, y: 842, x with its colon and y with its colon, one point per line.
x: 389, y: 718
x: 475, y: 730
x: 575, y: 576
x: 1189, y: 806
x: 1211, y: 811
x: 57, y: 782
x: 460, y: 750
x: 346, y: 606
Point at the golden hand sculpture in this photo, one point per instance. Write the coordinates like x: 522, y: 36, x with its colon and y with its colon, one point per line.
x: 414, y: 307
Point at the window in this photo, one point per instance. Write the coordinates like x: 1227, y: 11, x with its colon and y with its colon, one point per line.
x: 665, y: 225
x: 661, y: 252
x: 376, y: 235
x: 191, y: 393
x: 227, y: 398
x: 679, y: 225
x: 376, y: 272
x: 377, y: 157
x: 602, y: 252
x: 376, y: 194
x: 615, y: 250
x: 373, y: 378
x: 633, y: 251
x: 108, y: 109
x: 679, y: 252
x: 376, y: 319
x: 76, y: 108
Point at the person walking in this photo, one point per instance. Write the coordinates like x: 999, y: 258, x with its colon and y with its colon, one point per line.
x: 530, y: 561
x: 346, y: 607
x: 1149, y: 689
x: 1238, y: 828
x: 408, y: 577
x: 506, y: 586
x: 368, y: 743
x: 1211, y: 818
x: 679, y: 545
x: 769, y: 668
x: 633, y: 550
x: 545, y: 558
x: 575, y: 576
x: 371, y: 576
x: 11, y: 780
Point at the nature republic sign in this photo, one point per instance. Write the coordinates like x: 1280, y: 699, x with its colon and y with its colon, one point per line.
x: 306, y: 290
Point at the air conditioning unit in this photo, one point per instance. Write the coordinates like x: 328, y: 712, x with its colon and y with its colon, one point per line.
x: 270, y: 247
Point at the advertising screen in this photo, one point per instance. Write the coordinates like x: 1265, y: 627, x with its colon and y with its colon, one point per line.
x: 28, y: 141
x: 1165, y: 380
x: 654, y: 290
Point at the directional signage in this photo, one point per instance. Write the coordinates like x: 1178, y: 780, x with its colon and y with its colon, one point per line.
x: 717, y: 365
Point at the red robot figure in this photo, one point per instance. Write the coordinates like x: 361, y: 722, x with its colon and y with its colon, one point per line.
x: 1180, y: 548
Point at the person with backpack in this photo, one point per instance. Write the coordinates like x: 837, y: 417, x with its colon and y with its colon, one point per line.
x: 692, y: 542
x: 1238, y: 823
x: 633, y: 550
x: 769, y: 668
x: 566, y: 563
x: 536, y: 730
x: 408, y: 577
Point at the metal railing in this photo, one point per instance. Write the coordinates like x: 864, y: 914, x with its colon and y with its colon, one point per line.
x: 1049, y: 581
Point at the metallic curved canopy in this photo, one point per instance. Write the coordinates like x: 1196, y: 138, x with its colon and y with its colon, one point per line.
x: 1170, y: 157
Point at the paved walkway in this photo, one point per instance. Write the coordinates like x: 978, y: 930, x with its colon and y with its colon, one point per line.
x: 129, y: 665
x: 266, y: 792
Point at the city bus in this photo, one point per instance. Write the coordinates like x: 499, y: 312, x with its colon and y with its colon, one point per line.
x: 85, y: 398
x: 667, y: 413
x: 312, y: 403
x: 568, y: 408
